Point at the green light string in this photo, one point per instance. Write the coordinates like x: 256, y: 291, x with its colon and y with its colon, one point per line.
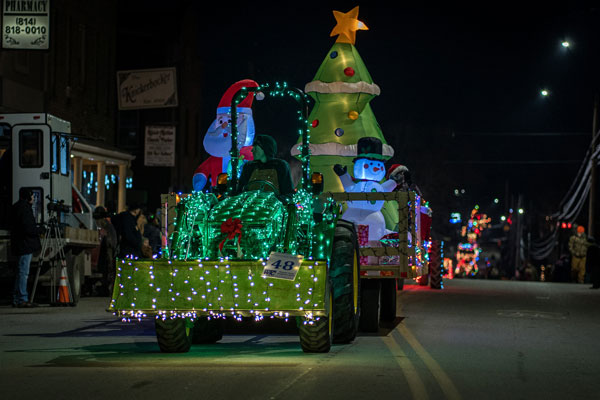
x: 279, y: 90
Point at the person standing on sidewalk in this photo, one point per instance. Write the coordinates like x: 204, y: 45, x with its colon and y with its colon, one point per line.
x: 128, y: 232
x: 25, y: 241
x: 578, y: 245
x: 108, y: 249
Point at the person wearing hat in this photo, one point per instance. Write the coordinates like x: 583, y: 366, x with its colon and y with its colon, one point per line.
x: 578, y: 245
x: 108, y: 248
x: 401, y: 174
x: 217, y: 141
x: 25, y: 241
x: 266, y: 167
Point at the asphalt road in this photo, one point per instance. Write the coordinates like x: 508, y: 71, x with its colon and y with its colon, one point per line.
x: 475, y: 339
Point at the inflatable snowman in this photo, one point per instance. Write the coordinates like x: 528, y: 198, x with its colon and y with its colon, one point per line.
x: 368, y: 172
x: 217, y: 141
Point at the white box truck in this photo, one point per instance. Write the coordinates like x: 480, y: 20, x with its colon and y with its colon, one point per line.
x: 35, y: 153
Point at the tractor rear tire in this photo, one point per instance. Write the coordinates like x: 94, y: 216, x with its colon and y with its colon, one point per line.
x: 369, y: 305
x: 207, y: 331
x: 436, y: 265
x: 174, y: 335
x: 316, y: 336
x: 388, y: 300
x: 75, y: 275
x: 344, y: 277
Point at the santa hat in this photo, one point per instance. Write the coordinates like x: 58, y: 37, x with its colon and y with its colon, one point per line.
x: 395, y: 169
x: 245, y: 105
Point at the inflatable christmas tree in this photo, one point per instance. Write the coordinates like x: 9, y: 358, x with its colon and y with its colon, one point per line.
x: 342, y: 90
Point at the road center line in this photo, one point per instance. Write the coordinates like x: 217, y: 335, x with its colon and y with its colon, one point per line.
x: 415, y: 384
x: 286, y: 387
x: 436, y: 370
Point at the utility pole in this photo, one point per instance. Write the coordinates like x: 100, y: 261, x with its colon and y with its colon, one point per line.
x: 593, y: 175
x: 519, y: 231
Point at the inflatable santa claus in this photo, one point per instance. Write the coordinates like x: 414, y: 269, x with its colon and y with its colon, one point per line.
x: 217, y: 141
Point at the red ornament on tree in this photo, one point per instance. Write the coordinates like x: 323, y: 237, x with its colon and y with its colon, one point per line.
x: 349, y: 71
x: 315, y: 123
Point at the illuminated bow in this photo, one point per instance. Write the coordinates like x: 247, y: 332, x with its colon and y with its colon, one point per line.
x: 231, y: 228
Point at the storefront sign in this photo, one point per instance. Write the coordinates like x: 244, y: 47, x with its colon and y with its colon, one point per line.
x: 148, y: 88
x: 159, y: 149
x: 26, y: 24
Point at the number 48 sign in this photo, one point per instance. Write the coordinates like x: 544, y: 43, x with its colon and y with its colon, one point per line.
x: 282, y: 266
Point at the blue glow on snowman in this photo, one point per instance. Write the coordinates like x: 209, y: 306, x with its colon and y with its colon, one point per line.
x: 367, y: 175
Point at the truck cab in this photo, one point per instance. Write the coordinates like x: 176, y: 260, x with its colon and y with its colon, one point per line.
x: 34, y: 153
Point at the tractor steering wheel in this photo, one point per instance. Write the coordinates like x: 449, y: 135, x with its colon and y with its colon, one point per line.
x: 262, y: 184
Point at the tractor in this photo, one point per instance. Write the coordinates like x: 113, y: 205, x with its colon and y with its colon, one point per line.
x: 251, y: 254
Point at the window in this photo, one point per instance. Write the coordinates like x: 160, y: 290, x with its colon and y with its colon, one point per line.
x: 54, y: 153
x: 4, y: 131
x: 65, y: 156
x: 38, y: 200
x: 30, y: 149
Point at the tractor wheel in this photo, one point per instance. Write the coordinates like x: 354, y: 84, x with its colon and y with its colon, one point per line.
x: 388, y: 300
x: 436, y: 265
x: 344, y: 277
x: 316, y: 336
x: 400, y: 284
x: 369, y: 305
x: 207, y: 331
x: 174, y: 335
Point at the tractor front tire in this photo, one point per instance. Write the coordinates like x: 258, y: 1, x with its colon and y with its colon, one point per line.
x: 344, y: 277
x: 174, y: 335
x: 316, y: 335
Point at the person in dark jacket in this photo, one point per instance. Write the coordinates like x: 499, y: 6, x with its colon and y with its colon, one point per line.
x: 108, y: 249
x: 129, y: 236
x: 25, y: 237
x: 592, y: 262
x: 266, y: 167
x: 153, y: 234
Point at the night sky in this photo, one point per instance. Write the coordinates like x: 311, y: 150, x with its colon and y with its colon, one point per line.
x: 460, y: 88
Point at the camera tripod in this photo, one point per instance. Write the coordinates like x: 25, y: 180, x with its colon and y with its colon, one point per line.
x: 52, y: 236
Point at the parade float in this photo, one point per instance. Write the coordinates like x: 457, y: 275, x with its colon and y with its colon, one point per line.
x: 257, y: 254
x: 468, y: 251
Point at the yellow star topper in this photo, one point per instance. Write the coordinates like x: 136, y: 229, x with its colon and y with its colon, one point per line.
x: 347, y: 25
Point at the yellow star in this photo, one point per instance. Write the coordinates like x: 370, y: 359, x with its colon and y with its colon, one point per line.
x: 347, y: 25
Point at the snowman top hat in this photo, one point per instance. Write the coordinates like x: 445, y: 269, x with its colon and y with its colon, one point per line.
x: 370, y: 148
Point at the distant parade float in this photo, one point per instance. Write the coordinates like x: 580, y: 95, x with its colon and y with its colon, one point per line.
x: 467, y: 255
